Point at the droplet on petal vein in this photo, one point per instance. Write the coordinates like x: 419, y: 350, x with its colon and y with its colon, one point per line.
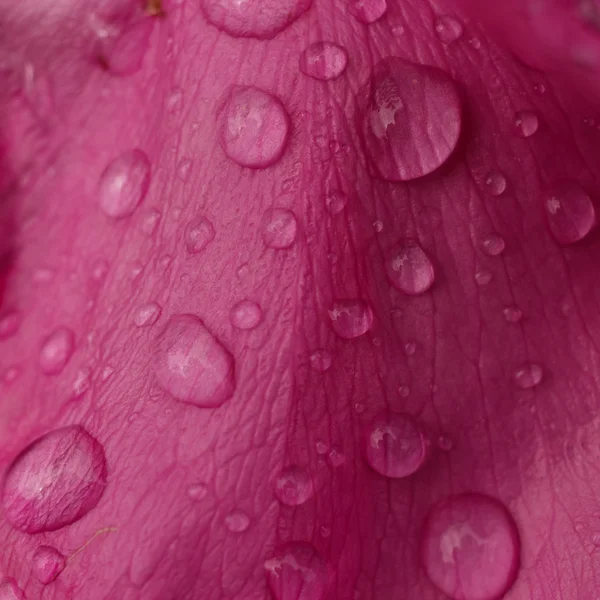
x: 198, y: 234
x: 254, y: 127
x: 294, y: 486
x: 57, y: 348
x: 324, y: 60
x: 409, y: 269
x: 351, y: 318
x: 279, y: 228
x: 448, y: 29
x: 48, y: 564
x: 246, y: 315
x: 495, y: 182
x: 320, y: 360
x: 470, y: 547
x: 367, y: 11
x: 526, y: 123
x: 192, y: 365
x: 493, y: 244
x: 412, y: 119
x: 528, y: 375
x: 570, y: 212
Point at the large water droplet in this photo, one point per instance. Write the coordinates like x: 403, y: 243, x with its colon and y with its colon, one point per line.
x: 320, y: 360
x: 55, y: 481
x: 395, y: 446
x: 336, y: 201
x: 367, y: 11
x: 409, y: 269
x: 495, y: 183
x: 279, y: 228
x: 56, y: 350
x: 237, y: 521
x: 124, y: 54
x: 528, y: 375
x: 448, y: 29
x: 246, y: 314
x: 471, y: 547
x: 199, y: 233
x: 351, y: 318
x: 192, y: 365
x: 261, y: 19
x: 297, y: 572
x: 570, y: 212
x: 9, y: 590
x: 124, y: 184
x: 526, y: 123
x: 294, y: 486
x: 10, y: 322
x: 254, y: 127
x: 147, y: 314
x: 412, y: 120
x: 324, y: 60
x: 493, y: 245
x: 48, y: 564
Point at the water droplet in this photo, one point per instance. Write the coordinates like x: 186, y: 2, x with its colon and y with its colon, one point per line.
x: 470, y: 547
x: 82, y: 383
x: 321, y: 447
x: 409, y: 269
x: 336, y: 457
x: 495, y: 183
x: 540, y: 88
x: 184, y: 169
x: 254, y: 127
x: 528, y: 376
x: 395, y: 446
x: 9, y: 590
x: 48, y: 564
x: 99, y: 269
x: 174, y: 101
x: 199, y: 233
x: 147, y: 314
x: 192, y: 365
x: 320, y: 360
x: 197, y: 491
x: 56, y: 350
x: 410, y: 348
x: 512, y: 314
x: 297, y: 572
x: 483, y: 278
x: 367, y: 11
x: 246, y: 314
x: 378, y: 226
x: 55, y: 481
x: 445, y: 443
x: 404, y: 391
x: 325, y: 531
x: 294, y: 486
x: 412, y: 120
x: 493, y: 245
x: 475, y: 43
x: 323, y: 60
x: 11, y: 374
x: 124, y: 54
x: 10, y: 322
x: 279, y: 228
x: 351, y: 318
x: 526, y: 123
x: 237, y: 521
x: 124, y: 184
x: 570, y: 212
x: 335, y: 202
x: 150, y: 222
x: 448, y: 29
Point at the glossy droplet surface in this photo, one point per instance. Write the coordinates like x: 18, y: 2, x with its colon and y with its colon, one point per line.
x: 294, y: 486
x: 324, y: 60
x: 412, y: 119
x: 10, y: 322
x: 9, y: 590
x: 261, y: 19
x: 526, y: 123
x: 483, y: 277
x: 124, y: 184
x: 279, y: 228
x: 254, y: 127
x: 512, y: 314
x: 351, y: 318
x: 147, y: 314
x: 470, y: 547
x: 448, y: 29
x: 246, y: 314
x: 320, y: 360
x: 199, y: 233
x: 48, y: 564
x: 297, y: 571
x: 395, y: 445
x: 493, y: 245
x: 237, y: 521
x: 495, y: 183
x: 55, y: 481
x: 528, y: 375
x: 124, y: 54
x: 409, y: 268
x: 335, y: 202
x: 367, y: 11
x: 570, y: 212
x: 192, y: 365
x: 56, y: 350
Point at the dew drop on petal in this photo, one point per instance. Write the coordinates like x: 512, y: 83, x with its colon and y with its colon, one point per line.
x: 528, y: 376
x: 56, y: 350
x: 320, y: 360
x: 48, y: 564
x: 335, y: 202
x: 147, y: 314
x: 279, y: 228
x: 367, y: 11
x: 197, y: 491
x: 351, y: 318
x: 294, y: 486
x: 237, y: 521
x: 512, y: 314
x: 198, y: 234
x: 246, y: 315
x: 324, y: 60
x: 124, y: 54
x: 482, y: 278
x: 10, y: 322
x: 445, y: 443
x: 526, y: 123
x: 448, y: 29
x: 493, y: 245
x: 495, y: 183
x: 409, y: 269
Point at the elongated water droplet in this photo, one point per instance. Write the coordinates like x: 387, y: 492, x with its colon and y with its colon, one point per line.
x: 55, y: 481
x: 409, y: 268
x: 351, y: 318
x: 9, y: 590
x: 324, y: 60
x: 199, y: 233
x: 254, y: 127
x: 124, y: 184
x: 367, y: 11
x: 512, y: 314
x: 320, y: 360
x: 56, y: 350
x: 493, y: 245
x: 336, y: 202
x: 448, y: 29
x: 124, y: 54
x: 147, y: 314
x: 246, y: 314
x: 570, y: 212
x: 526, y: 123
x: 528, y: 375
x: 237, y: 521
x: 10, y: 322
x: 279, y: 228
x: 495, y: 183
x: 48, y: 564
x: 192, y: 365
x: 294, y: 486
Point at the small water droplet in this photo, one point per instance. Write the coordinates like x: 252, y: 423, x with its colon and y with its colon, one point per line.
x: 325, y: 531
x: 10, y: 322
x: 409, y: 269
x: 56, y: 350
x: 199, y: 233
x: 540, y: 88
x: 323, y: 60
x: 294, y: 486
x: 124, y: 53
x: 48, y: 564
x: 82, y: 383
x: 174, y: 101
x: 124, y: 184
x: 197, y: 491
x: 320, y: 360
x: 410, y: 348
x: 184, y: 168
x: 237, y: 521
x: 495, y: 183
x: 367, y: 11
x: 147, y: 314
x: 528, y: 376
x: 493, y: 245
x: 321, y: 447
x: 336, y: 457
x: 279, y: 228
x: 448, y: 29
x: 9, y: 590
x: 445, y: 443
x: 359, y: 408
x: 378, y: 226
x: 11, y: 374
x: 335, y: 202
x: 512, y: 314
x: 351, y: 318
x: 246, y: 315
x: 404, y: 391
x: 475, y: 43
x: 150, y: 222
x: 526, y: 123
x: 107, y: 372
x: 483, y: 277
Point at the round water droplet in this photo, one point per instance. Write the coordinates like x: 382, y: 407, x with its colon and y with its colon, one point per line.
x: 528, y: 376
x: 410, y: 348
x: 147, y: 314
x: 56, y: 350
x: 124, y: 54
x: 448, y: 29
x: 174, y: 102
x: 320, y: 360
x: 336, y: 201
x: 321, y: 447
x: 395, y: 446
x: 483, y: 278
x: 495, y: 183
x: 237, y: 521
x: 512, y: 314
x: 570, y: 212
x: 493, y: 245
x: 404, y: 391
x: 367, y: 11
x: 11, y: 374
x: 378, y: 226
x: 297, y: 572
x: 124, y: 184
x: 324, y: 60
x: 261, y: 19
x: 351, y: 318
x: 526, y: 123
x: 246, y: 314
x: 10, y: 322
x: 48, y: 564
x: 192, y: 365
x: 254, y: 127
x: 279, y: 228
x: 409, y: 269
x: 294, y: 486
x: 55, y: 481
x: 445, y: 443
x: 9, y: 590
x: 197, y: 491
x: 412, y: 119
x: 470, y: 547
x: 336, y: 457
x: 199, y: 233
